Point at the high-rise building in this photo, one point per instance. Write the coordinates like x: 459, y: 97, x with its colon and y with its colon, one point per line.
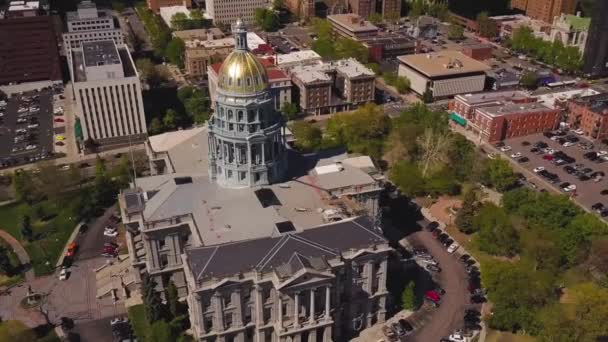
x: 545, y: 10
x: 303, y: 9
x: 228, y: 11
x: 89, y: 24
x: 108, y: 93
x: 595, y: 60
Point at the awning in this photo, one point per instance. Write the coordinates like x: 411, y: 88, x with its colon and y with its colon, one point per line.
x: 458, y: 119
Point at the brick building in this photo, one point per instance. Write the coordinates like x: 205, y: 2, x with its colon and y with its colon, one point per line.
x: 500, y: 115
x: 352, y: 26
x: 364, y: 8
x: 545, y: 10
x: 480, y: 52
x: 155, y: 5
x: 590, y: 113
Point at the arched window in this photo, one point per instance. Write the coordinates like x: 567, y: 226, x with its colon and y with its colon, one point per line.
x: 248, y: 82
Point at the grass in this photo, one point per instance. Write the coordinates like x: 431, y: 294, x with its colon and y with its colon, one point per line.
x: 139, y: 323
x: 501, y: 336
x: 6, y: 280
x: 51, y: 231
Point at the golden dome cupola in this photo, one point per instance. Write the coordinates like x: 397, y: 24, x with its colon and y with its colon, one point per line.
x: 241, y: 72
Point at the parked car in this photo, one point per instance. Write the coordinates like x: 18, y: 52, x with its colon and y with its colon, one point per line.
x: 523, y: 160
x: 598, y: 207
x: 407, y: 326
x: 453, y: 247
x: 399, y: 331
x: 538, y: 169
x: 433, y: 268
x: 63, y: 275
x: 505, y: 149
x: 516, y: 155
x: 464, y: 257
x: 432, y: 226
x: 72, y: 247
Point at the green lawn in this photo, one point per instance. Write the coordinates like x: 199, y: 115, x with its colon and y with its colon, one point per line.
x: 5, y: 280
x: 52, y: 226
x: 139, y: 323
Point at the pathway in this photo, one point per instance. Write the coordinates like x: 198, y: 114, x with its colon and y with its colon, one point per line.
x: 24, y: 258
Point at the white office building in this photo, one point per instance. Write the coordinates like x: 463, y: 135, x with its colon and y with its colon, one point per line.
x: 108, y: 93
x: 89, y: 24
x: 229, y: 11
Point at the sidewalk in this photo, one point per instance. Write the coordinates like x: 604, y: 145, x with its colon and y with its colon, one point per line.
x: 24, y: 258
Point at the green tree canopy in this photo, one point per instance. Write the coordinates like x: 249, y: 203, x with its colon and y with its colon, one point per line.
x: 487, y: 27
x: 499, y: 174
x: 408, y: 297
x: 289, y: 110
x: 175, y: 52
x: 308, y: 137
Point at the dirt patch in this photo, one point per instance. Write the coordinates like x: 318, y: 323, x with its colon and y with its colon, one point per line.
x: 441, y: 209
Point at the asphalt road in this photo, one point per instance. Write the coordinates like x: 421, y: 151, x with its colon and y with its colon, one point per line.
x: 91, y: 242
x: 442, y: 321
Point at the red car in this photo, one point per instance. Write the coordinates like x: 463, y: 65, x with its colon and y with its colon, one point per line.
x: 58, y: 120
x: 433, y: 296
x: 548, y: 157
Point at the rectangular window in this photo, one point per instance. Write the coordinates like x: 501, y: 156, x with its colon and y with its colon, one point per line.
x: 228, y: 320
x: 227, y: 300
x: 161, y: 243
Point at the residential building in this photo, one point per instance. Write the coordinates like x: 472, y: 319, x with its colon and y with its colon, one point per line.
x: 556, y: 98
x: 589, y: 113
x: 28, y: 50
x: 444, y: 74
x: 256, y: 257
x: 571, y: 30
x: 507, y: 24
x: 200, y: 53
x: 155, y: 5
x: 89, y: 24
x: 22, y: 9
x: 480, y: 52
x: 228, y: 11
x: 334, y: 86
x: 303, y: 9
x: 364, y: 8
x: 595, y: 60
x: 108, y: 93
x: 352, y: 26
x: 497, y: 116
x: 279, y: 83
x: 545, y: 10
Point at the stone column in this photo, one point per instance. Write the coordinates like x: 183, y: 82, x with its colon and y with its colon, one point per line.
x: 312, y: 306
x: 327, y: 334
x: 296, y: 310
x: 280, y: 311
x: 218, y: 315
x: 238, y: 303
x: 327, y: 302
x: 382, y: 280
x: 263, y: 148
x: 259, y: 307
x: 198, y: 313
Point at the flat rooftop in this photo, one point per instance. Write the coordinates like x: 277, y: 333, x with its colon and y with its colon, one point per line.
x: 214, y: 32
x: 514, y: 108
x: 353, y: 68
x: 124, y: 59
x: 443, y: 63
x: 489, y: 97
x: 352, y: 22
x: 100, y: 53
x: 298, y: 57
x: 310, y: 73
x: 596, y: 103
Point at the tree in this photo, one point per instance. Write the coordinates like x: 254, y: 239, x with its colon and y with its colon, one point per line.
x: 487, y: 27
x: 24, y: 187
x: 462, y: 157
x: 103, y: 187
x: 308, y: 137
x: 161, y: 331
x: 407, y: 177
x: 408, y: 297
x: 173, y: 300
x: 151, y: 299
x: 349, y: 48
x: 289, y: 110
x: 266, y: 19
x: 6, y: 267
x: 170, y: 120
x: 456, y: 32
x: 434, y: 147
x: 499, y: 174
x: 467, y: 212
x: 529, y: 80
x: 148, y: 72
x: 416, y: 9
x: 375, y: 18
x: 497, y: 235
x: 156, y: 126
x: 179, y: 21
x: 175, y: 51
x: 26, y: 228
x: 278, y: 4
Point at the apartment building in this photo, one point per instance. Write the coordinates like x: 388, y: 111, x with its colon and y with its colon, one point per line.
x: 445, y: 74
x: 589, y: 113
x: 108, y: 93
x: 89, y: 24
x: 334, y: 86
x: 155, y: 5
x: 229, y: 11
x: 595, y: 59
x: 501, y: 115
x: 545, y: 10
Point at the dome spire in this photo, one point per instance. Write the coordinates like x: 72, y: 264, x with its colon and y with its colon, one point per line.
x: 240, y: 35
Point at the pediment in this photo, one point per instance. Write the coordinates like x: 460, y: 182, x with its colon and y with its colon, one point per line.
x: 305, y: 278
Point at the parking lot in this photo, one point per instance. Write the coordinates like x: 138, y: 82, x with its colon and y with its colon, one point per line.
x: 26, y: 128
x: 584, y: 174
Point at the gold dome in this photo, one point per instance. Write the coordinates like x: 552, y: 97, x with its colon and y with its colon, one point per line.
x: 242, y: 73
